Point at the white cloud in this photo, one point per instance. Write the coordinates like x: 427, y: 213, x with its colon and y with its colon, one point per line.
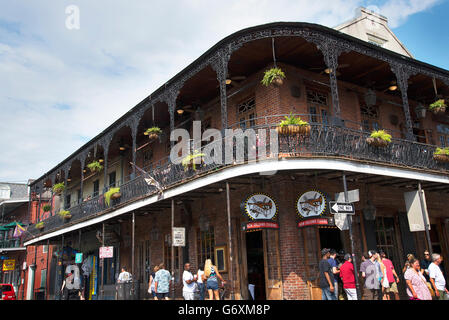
x: 59, y: 86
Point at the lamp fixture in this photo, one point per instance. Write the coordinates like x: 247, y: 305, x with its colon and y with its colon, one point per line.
x: 122, y: 148
x: 180, y: 111
x: 328, y: 70
x: 100, y: 160
x: 228, y: 81
x: 393, y: 87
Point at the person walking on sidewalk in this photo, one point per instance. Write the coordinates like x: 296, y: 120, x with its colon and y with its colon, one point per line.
x: 326, y: 277
x: 371, y: 290
x: 189, y: 283
x: 199, y: 281
x: 348, y: 278
x: 335, y: 271
x: 162, y: 282
x: 151, y: 283
x: 416, y: 283
x: 210, y: 276
x: 437, y: 278
x: 392, y: 278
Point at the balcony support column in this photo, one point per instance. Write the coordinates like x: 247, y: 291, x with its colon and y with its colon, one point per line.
x: 105, y: 144
x: 220, y: 66
x: 402, y: 75
x: 169, y: 97
x: 134, y: 124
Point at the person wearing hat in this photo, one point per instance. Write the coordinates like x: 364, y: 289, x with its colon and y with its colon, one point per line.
x: 326, y: 277
x: 370, y: 273
x: 348, y: 278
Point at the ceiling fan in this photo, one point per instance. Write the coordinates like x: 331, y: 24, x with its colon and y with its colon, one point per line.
x: 328, y: 70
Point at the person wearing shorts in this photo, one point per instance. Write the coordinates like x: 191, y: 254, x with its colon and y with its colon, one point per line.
x: 211, y: 274
x: 162, y: 281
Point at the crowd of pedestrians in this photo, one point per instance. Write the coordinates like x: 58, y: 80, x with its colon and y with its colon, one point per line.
x: 195, y: 285
x: 378, y: 278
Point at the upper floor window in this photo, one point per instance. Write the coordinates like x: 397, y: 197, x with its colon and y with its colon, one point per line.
x: 96, y: 188
x: 318, y: 105
x: 112, y: 179
x: 376, y: 40
x: 205, y: 244
x: 246, y: 113
x: 370, y: 116
x: 443, y: 135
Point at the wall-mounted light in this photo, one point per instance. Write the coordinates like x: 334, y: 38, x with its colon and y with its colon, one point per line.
x: 327, y: 70
x: 228, y: 81
x: 393, y: 87
x: 122, y: 148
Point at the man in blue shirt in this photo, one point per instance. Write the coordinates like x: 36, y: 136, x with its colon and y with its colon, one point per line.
x: 326, y: 277
x: 335, y: 271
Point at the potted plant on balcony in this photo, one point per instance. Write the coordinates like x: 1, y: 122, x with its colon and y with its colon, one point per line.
x: 65, y: 214
x: 95, y: 166
x: 438, y: 106
x: 46, y: 208
x: 112, y: 193
x: 379, y: 138
x: 188, y: 162
x: 292, y: 125
x: 153, y: 133
x: 273, y: 75
x: 58, y: 188
x: 39, y: 225
x: 441, y: 154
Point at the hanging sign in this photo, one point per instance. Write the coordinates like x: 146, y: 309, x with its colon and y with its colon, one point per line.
x: 311, y: 204
x: 260, y: 206
x: 9, y: 265
x: 262, y: 210
x: 79, y: 258
x: 106, y: 252
x: 179, y: 237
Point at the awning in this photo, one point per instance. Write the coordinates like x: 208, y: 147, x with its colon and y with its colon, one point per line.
x: 11, y: 225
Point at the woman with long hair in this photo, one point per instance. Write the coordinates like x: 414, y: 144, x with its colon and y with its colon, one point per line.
x: 383, y: 278
x: 210, y: 276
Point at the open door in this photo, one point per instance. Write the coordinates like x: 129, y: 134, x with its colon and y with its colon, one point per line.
x: 272, y: 265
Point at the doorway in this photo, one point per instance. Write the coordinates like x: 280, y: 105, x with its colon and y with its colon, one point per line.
x: 330, y: 238
x: 256, y: 267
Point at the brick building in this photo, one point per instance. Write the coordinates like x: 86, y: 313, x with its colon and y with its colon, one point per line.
x: 343, y: 86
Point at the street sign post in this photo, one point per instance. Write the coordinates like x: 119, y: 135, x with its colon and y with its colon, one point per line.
x: 341, y: 207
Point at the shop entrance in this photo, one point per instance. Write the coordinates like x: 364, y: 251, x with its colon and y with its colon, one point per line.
x: 256, y: 267
x: 330, y: 238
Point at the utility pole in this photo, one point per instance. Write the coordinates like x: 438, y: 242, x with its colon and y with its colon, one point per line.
x: 349, y: 219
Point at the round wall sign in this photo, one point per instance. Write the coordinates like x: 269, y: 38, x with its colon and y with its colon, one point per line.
x: 260, y: 206
x: 311, y: 204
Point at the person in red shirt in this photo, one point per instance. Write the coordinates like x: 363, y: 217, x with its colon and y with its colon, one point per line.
x: 348, y: 278
x: 392, y: 292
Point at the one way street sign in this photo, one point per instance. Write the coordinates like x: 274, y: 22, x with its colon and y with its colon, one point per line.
x: 341, y: 207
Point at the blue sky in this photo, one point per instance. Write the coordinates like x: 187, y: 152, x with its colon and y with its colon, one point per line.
x: 59, y: 88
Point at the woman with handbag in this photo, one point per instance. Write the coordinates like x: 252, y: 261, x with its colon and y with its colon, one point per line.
x: 210, y: 276
x: 416, y: 283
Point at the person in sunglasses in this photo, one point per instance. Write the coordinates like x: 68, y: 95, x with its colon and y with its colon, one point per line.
x: 425, y: 263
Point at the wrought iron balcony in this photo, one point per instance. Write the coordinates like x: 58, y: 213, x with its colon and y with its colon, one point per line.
x: 323, y: 141
x: 10, y: 243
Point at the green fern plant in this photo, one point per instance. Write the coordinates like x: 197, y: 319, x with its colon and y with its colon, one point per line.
x: 155, y: 130
x: 292, y: 120
x: 272, y: 74
x: 381, y: 134
x: 46, y: 208
x: 95, y: 166
x: 188, y: 160
x: 64, y: 213
x: 442, y: 151
x: 109, y: 193
x: 59, y: 187
x: 437, y: 105
x: 39, y: 225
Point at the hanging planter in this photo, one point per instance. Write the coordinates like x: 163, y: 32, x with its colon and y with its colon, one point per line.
x: 112, y: 193
x: 64, y: 214
x: 293, y: 125
x: 46, y: 208
x: 441, y: 154
x: 379, y: 138
x: 273, y: 76
x: 189, y: 161
x: 59, y: 188
x: 438, y: 107
x: 153, y: 133
x: 95, y: 166
x: 39, y: 225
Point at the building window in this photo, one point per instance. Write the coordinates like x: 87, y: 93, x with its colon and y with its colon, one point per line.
x: 386, y: 239
x: 67, y: 201
x: 443, y: 135
x: 96, y: 188
x: 318, y: 105
x: 370, y: 116
x: 112, y: 179
x: 246, y: 113
x: 43, y: 278
x: 44, y: 249
x: 205, y: 244
x: 376, y: 40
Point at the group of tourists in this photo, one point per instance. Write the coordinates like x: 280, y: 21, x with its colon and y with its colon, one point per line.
x: 194, y: 286
x: 378, y: 277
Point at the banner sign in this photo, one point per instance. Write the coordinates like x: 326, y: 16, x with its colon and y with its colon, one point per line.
x: 311, y: 204
x: 316, y: 222
x: 260, y: 206
x: 415, y: 212
x: 9, y: 265
x: 106, y: 252
x: 253, y: 225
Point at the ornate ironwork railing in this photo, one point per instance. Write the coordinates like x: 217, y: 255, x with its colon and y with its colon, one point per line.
x: 322, y: 141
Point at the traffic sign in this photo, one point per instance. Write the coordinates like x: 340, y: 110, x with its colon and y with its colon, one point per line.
x: 341, y: 207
